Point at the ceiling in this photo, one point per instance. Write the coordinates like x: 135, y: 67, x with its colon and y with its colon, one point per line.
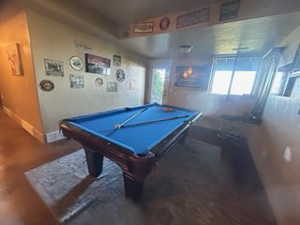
x: 125, y: 12
x: 104, y: 18
x: 258, y: 35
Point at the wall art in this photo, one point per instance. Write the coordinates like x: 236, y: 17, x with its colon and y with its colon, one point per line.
x: 120, y: 75
x: 112, y: 86
x: 47, y: 85
x: 97, y: 64
x: 76, y: 81
x: 117, y: 60
x: 76, y: 63
x: 54, y: 67
x: 99, y: 82
x: 14, y: 59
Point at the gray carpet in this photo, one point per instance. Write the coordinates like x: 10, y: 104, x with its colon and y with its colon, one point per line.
x: 189, y: 186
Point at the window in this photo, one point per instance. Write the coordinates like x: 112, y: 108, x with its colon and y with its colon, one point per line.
x: 234, y: 76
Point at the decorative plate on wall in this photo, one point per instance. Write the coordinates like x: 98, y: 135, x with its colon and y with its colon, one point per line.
x: 76, y: 63
x: 99, y: 82
x: 47, y: 85
x: 120, y: 75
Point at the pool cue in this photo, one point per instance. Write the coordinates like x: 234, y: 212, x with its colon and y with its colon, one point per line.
x: 155, y: 121
x: 118, y: 126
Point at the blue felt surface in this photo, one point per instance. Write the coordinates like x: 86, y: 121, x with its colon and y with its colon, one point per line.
x: 138, y: 139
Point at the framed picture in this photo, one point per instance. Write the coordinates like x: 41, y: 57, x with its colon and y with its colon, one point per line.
x: 229, y: 10
x: 76, y: 81
x: 120, y: 75
x: 193, y: 76
x: 76, y: 63
x: 192, y: 18
x: 117, y: 60
x: 112, y: 86
x: 97, y: 64
x: 142, y: 28
x: 54, y: 67
x: 14, y: 59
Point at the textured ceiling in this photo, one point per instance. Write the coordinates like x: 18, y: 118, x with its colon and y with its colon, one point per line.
x: 258, y: 35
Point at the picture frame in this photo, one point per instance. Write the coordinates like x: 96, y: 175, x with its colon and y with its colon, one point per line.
x: 112, y: 86
x: 117, y: 60
x: 120, y: 75
x: 97, y: 64
x: 229, y: 10
x: 76, y: 81
x: 14, y: 59
x: 142, y: 28
x: 193, y: 76
x: 193, y: 18
x: 54, y: 67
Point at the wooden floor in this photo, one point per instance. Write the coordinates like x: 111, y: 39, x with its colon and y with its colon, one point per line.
x: 19, y: 203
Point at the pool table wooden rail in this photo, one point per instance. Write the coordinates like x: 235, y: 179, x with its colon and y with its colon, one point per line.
x: 135, y: 167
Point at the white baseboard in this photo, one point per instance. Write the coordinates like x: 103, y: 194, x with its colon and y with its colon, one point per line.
x: 54, y: 136
x: 26, y: 126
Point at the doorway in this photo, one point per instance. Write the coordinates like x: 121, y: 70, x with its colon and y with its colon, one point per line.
x: 158, y: 85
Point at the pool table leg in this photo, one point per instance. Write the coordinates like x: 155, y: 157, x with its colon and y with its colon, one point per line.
x: 133, y: 187
x: 94, y: 162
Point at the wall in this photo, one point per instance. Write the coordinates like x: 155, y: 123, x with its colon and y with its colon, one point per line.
x: 280, y: 129
x: 55, y: 40
x: 19, y: 92
x: 209, y: 104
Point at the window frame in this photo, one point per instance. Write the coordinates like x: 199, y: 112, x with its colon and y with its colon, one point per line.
x: 234, y: 57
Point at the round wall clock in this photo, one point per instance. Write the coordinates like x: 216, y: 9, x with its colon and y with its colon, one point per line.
x: 47, y: 85
x: 76, y: 63
x: 120, y: 74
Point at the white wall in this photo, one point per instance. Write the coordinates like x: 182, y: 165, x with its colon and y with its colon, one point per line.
x: 55, y: 40
x: 280, y: 129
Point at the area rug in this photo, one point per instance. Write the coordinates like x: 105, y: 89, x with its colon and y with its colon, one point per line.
x: 189, y: 186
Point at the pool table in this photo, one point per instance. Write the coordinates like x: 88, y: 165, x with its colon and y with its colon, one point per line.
x: 133, y: 137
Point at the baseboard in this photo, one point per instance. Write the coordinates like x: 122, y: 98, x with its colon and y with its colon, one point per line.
x: 25, y: 125
x: 54, y: 136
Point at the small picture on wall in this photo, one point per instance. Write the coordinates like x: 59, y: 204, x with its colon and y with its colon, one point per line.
x: 193, y: 76
x: 97, y: 64
x: 117, y: 60
x: 120, y: 75
x: 112, y: 86
x: 54, y: 67
x: 14, y: 59
x: 76, y: 81
x: 99, y: 82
